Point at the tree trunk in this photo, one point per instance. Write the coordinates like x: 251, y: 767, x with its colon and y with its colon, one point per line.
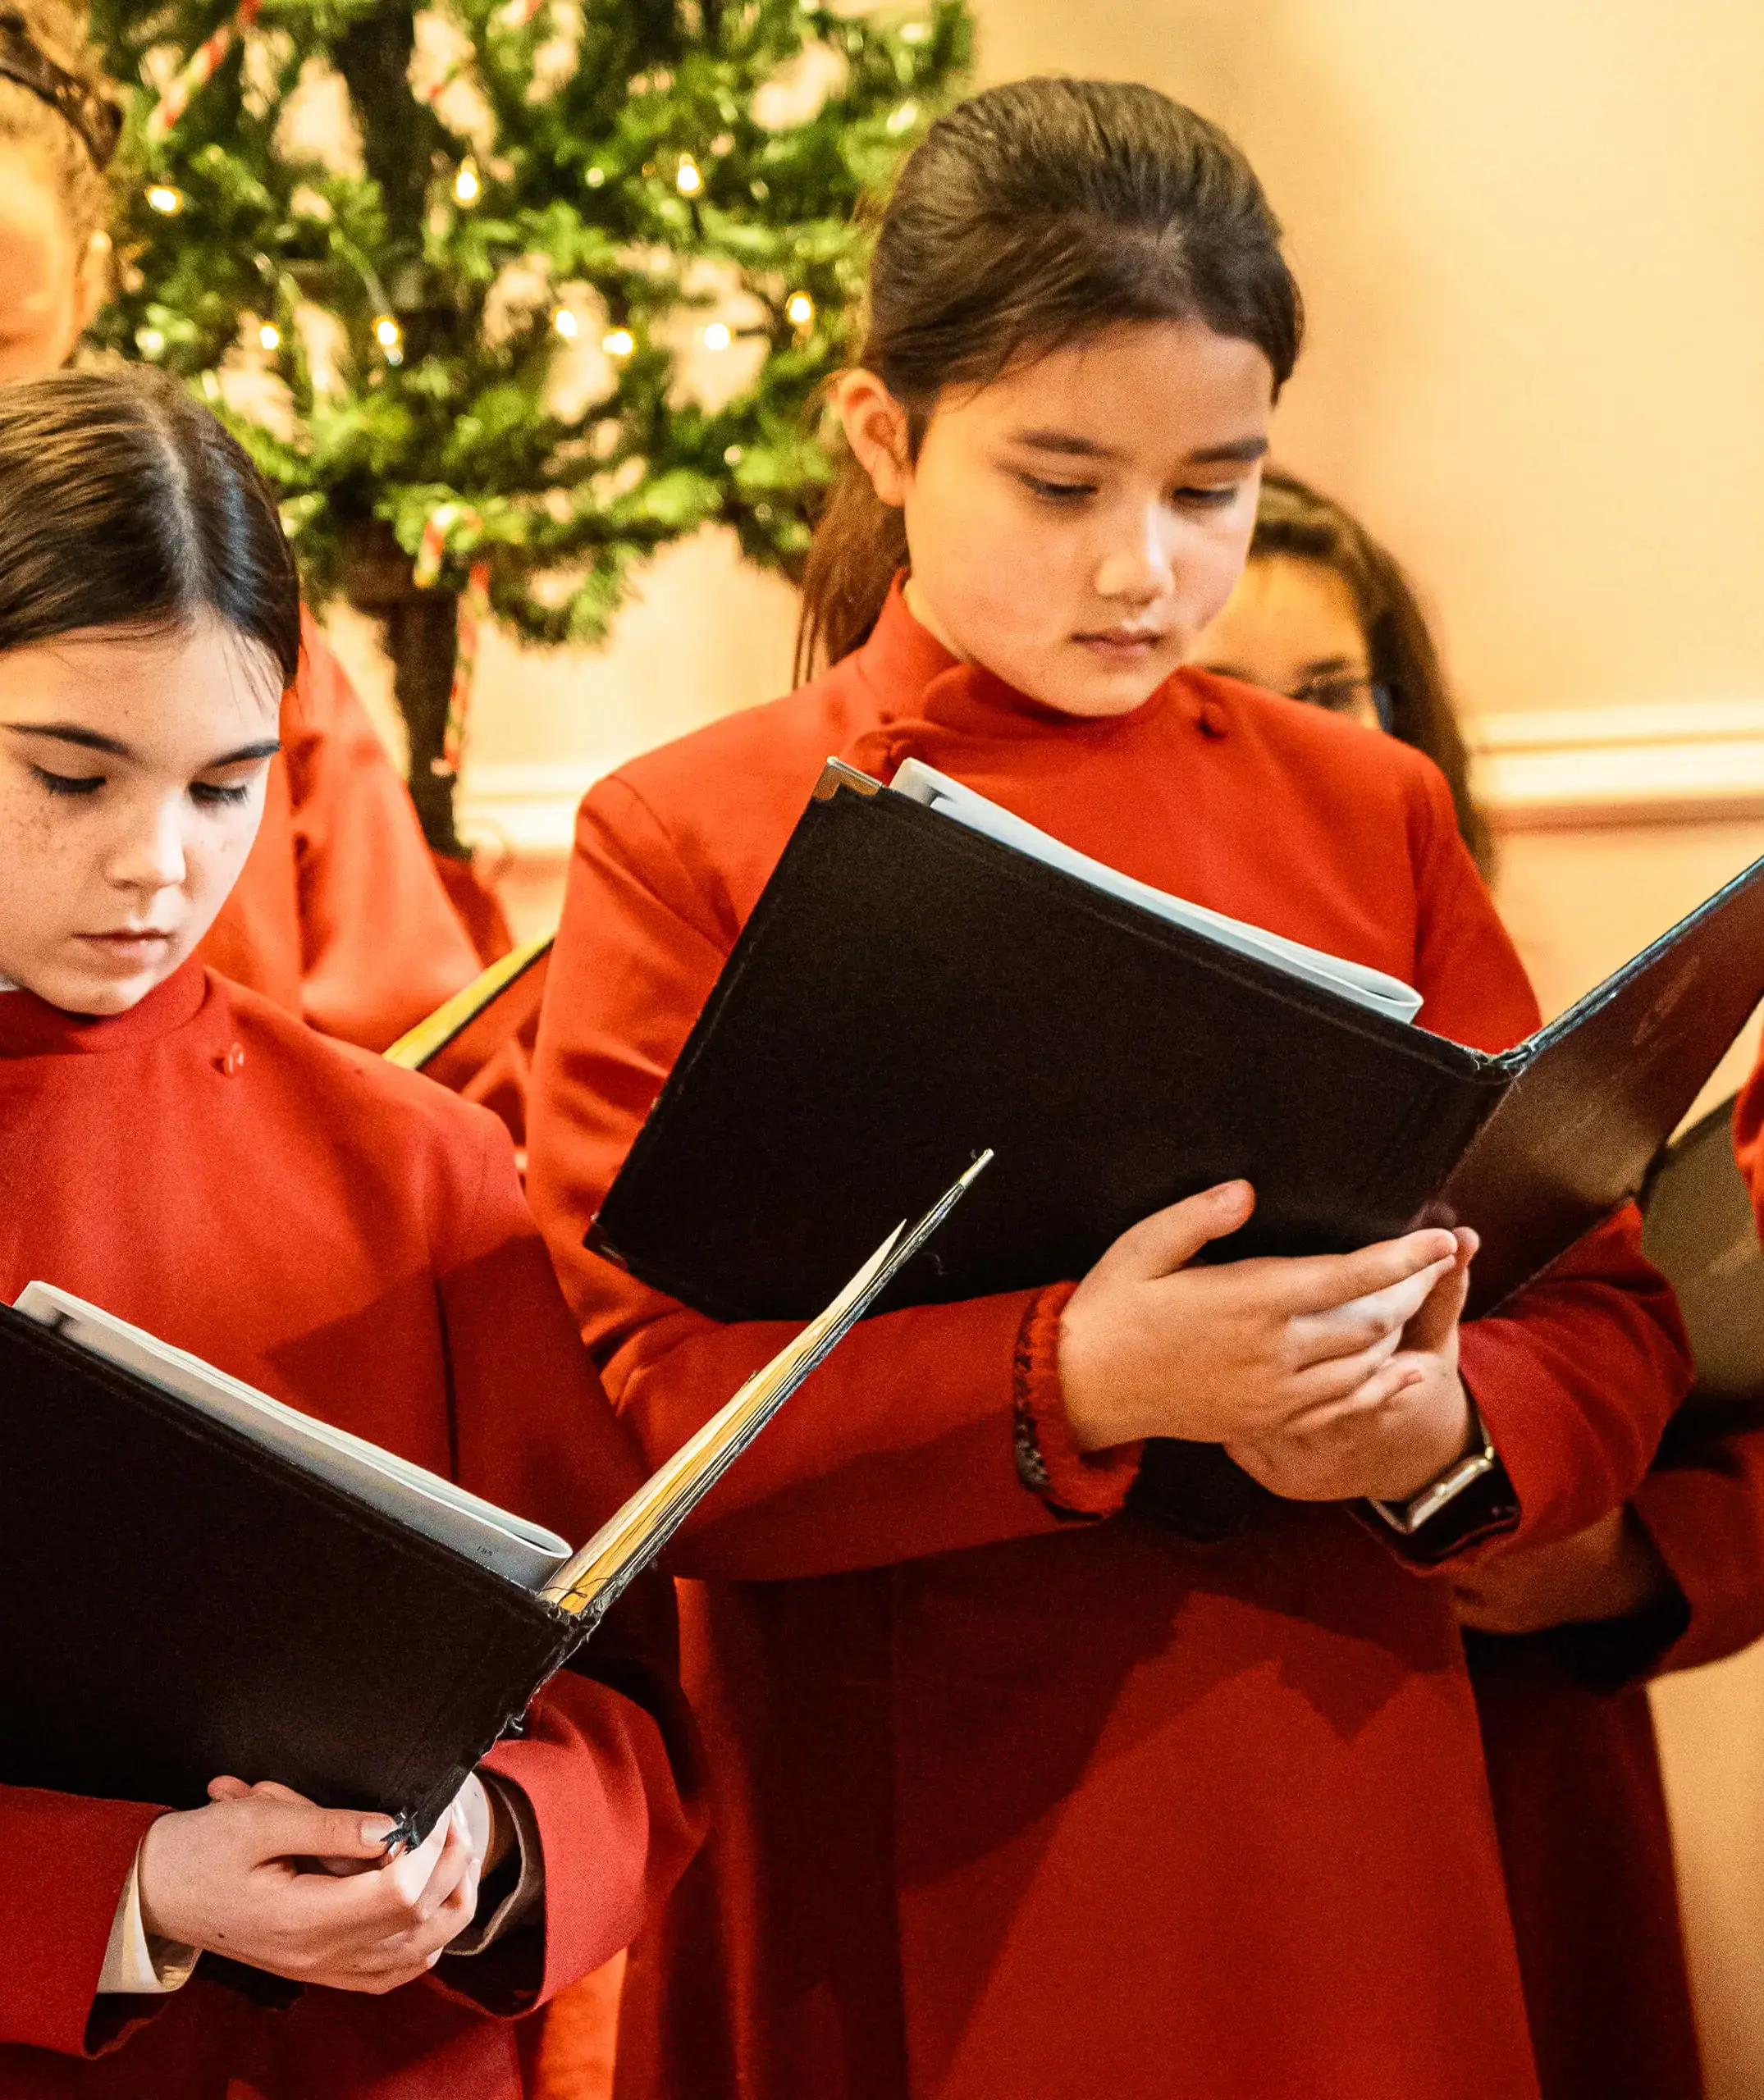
x: 423, y: 639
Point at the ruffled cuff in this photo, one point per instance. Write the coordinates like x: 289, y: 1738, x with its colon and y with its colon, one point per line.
x: 1081, y: 1485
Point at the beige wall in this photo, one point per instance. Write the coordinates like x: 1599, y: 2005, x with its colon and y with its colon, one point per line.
x: 1531, y: 235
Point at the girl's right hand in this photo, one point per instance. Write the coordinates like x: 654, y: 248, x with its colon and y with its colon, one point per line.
x: 240, y: 1877
x: 1227, y: 1353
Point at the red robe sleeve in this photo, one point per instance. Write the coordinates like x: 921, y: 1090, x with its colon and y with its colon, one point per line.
x: 608, y: 1760
x: 66, y: 1861
x: 900, y: 1444
x: 340, y: 915
x: 1579, y: 1374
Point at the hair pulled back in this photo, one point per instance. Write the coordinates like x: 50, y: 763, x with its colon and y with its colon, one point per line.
x: 59, y: 32
x: 1031, y: 216
x: 124, y: 503
x: 1294, y: 519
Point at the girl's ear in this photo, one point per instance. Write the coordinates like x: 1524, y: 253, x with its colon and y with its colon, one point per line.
x: 875, y: 428
x: 93, y: 286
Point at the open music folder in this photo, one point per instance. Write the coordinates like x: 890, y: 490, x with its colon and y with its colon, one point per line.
x: 933, y: 957
x: 199, y: 1579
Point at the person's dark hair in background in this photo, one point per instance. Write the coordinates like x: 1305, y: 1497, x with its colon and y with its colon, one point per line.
x: 1408, y: 692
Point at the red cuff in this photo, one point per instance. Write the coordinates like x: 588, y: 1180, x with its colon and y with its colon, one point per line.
x: 1072, y: 1483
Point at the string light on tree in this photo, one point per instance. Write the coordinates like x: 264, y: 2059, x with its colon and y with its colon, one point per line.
x: 903, y: 119
x: 799, y: 310
x: 270, y: 336
x: 566, y: 324
x: 390, y: 338
x: 717, y: 335
x: 688, y: 179
x: 618, y: 342
x: 468, y: 184
x: 163, y: 198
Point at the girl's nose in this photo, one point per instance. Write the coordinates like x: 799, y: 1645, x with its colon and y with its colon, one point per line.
x: 1137, y: 567
x: 150, y: 857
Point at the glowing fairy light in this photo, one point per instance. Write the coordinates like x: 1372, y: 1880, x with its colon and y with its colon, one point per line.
x: 595, y: 177
x: 903, y: 119
x: 150, y: 342
x: 270, y: 336
x: 618, y: 342
x: 468, y: 184
x: 566, y: 324
x: 717, y: 336
x: 163, y: 199
x: 799, y: 310
x: 688, y: 181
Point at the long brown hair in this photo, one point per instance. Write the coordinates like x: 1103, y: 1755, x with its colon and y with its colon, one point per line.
x: 1033, y: 215
x: 1294, y: 519
x: 67, y: 121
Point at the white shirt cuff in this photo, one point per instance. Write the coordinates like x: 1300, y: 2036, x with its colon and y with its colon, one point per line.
x: 136, y: 1961
x: 483, y: 1932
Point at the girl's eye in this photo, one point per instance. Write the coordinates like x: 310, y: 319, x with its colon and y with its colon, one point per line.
x: 69, y: 783
x: 1063, y: 492
x: 213, y: 796
x: 1209, y: 499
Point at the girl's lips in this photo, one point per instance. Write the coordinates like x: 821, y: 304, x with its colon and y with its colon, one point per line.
x: 129, y: 947
x: 1123, y: 643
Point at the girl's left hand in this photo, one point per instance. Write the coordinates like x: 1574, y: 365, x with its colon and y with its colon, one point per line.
x: 1388, y: 1447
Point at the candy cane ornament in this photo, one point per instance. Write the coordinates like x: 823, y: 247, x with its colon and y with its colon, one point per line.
x: 198, y: 70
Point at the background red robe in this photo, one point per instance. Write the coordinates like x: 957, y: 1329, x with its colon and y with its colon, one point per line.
x: 340, y: 915
x: 351, y: 1239
x: 1002, y: 1805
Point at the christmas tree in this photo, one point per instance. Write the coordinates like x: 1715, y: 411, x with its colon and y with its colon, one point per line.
x: 504, y: 295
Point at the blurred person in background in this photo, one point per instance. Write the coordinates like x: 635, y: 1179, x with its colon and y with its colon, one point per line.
x: 1561, y: 1641
x: 340, y: 916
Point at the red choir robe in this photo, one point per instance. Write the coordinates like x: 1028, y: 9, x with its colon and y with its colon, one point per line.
x: 340, y: 915
x: 352, y: 1239
x: 1005, y: 1805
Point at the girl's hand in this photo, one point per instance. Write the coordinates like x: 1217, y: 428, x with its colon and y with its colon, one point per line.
x: 244, y: 1877
x: 1611, y: 1570
x: 1231, y: 1354
x: 1402, y: 1428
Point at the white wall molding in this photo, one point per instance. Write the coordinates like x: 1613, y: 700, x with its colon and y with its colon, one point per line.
x: 1667, y: 762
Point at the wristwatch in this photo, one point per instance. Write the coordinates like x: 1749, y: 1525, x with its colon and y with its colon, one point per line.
x: 1445, y: 1487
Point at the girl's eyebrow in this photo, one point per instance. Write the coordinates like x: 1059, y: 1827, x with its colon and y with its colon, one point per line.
x: 1237, y: 451
x: 92, y: 740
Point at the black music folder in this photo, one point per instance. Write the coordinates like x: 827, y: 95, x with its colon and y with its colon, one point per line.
x: 925, y: 974
x: 198, y: 1580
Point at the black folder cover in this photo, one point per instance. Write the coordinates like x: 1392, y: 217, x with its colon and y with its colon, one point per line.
x: 179, y: 1602
x: 906, y: 990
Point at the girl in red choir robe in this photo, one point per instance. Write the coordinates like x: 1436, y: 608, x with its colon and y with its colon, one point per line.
x: 1563, y: 1639
x: 345, y: 1236
x: 338, y: 914
x: 1019, y: 1790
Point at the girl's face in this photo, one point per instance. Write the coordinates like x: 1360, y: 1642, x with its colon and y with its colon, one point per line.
x: 49, y: 288
x: 1074, y: 526
x: 131, y: 784
x: 1291, y: 626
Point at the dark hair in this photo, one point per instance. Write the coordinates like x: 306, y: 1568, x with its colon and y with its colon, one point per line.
x: 1294, y: 519
x: 123, y: 503
x: 1034, y: 216
x: 55, y: 102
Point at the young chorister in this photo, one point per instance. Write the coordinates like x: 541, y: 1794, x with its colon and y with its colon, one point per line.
x: 338, y: 914
x: 1018, y: 1790
x: 341, y: 1235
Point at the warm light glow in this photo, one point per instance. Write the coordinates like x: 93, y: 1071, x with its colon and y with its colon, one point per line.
x: 566, y: 324
x: 800, y: 308
x: 165, y: 199
x: 717, y: 336
x: 595, y: 177
x: 903, y: 119
x: 150, y: 342
x: 468, y: 187
x: 732, y: 457
x: 915, y: 32
x: 689, y: 181
x: 387, y: 333
x: 619, y: 342
x: 270, y: 336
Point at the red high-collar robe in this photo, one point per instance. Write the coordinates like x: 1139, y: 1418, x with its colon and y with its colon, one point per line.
x: 1004, y: 1806
x: 352, y: 1239
x: 338, y: 914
